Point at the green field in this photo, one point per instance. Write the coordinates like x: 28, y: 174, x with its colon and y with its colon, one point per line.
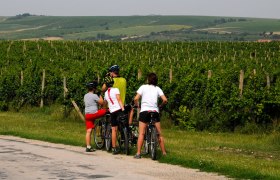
x: 234, y: 155
x: 116, y: 27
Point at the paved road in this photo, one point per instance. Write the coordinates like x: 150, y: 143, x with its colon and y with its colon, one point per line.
x: 30, y: 159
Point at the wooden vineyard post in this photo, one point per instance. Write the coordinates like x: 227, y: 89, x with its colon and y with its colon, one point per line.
x: 64, y: 87
x: 209, y: 74
x: 21, y: 78
x: 170, y: 75
x: 139, y: 75
x: 98, y: 78
x: 76, y: 107
x: 267, y: 81
x: 241, y: 81
x: 43, y: 87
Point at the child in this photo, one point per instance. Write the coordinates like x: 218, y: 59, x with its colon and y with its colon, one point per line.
x: 112, y: 98
x: 92, y: 100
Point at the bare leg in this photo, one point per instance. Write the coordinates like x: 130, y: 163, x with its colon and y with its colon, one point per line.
x: 88, y: 136
x: 114, y: 136
x: 142, y: 128
x: 130, y: 117
x: 161, y: 141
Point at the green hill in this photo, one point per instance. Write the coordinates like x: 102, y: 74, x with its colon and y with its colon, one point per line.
x: 137, y: 28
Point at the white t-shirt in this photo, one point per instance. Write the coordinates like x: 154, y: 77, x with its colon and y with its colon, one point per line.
x: 111, y: 98
x: 150, y: 95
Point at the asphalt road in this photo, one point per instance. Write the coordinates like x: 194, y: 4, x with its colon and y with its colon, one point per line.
x: 30, y: 159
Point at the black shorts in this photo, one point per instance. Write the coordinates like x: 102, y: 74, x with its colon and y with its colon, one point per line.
x: 114, y: 117
x: 145, y: 117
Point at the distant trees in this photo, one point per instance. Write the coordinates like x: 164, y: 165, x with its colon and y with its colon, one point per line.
x: 20, y: 16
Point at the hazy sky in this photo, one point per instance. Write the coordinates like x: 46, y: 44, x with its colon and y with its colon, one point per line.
x: 237, y: 8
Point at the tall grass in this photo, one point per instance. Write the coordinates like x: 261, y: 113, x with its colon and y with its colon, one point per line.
x: 234, y: 155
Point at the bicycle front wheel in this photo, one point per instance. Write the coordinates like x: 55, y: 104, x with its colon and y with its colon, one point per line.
x: 98, y: 134
x: 154, y: 143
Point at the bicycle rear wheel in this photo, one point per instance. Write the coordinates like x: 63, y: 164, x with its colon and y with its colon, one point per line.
x: 98, y: 134
x: 146, y: 142
x: 154, y: 143
x: 108, y: 137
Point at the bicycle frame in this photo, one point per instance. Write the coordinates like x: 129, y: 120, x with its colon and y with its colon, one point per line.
x: 151, y: 137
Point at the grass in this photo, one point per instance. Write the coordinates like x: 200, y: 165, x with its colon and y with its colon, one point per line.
x: 234, y: 155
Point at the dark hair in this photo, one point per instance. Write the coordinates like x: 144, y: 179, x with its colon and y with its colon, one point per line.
x: 152, y: 79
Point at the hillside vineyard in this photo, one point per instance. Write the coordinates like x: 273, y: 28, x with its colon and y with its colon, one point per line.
x: 209, y: 85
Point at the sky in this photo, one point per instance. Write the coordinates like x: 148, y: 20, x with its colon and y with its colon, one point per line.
x: 230, y: 8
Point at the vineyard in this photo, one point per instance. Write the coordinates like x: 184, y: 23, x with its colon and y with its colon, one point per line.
x: 216, y: 86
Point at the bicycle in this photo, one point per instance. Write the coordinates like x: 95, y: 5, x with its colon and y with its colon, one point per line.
x: 103, y: 133
x: 126, y: 136
x: 122, y: 134
x: 151, y: 137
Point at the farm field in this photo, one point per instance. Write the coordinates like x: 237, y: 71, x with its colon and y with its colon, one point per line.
x: 216, y: 86
x: 145, y: 28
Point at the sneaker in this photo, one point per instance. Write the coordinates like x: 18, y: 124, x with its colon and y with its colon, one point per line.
x: 90, y: 149
x: 115, y: 151
x: 137, y: 156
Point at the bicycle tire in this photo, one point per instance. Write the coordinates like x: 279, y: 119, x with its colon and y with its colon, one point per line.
x: 146, y: 142
x: 154, y: 143
x: 98, y: 134
x: 108, y: 138
x: 125, y: 141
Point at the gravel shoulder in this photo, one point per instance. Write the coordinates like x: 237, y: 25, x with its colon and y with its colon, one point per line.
x: 31, y: 159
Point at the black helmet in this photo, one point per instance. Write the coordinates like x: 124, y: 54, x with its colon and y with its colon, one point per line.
x: 92, y: 84
x: 109, y: 81
x: 114, y: 68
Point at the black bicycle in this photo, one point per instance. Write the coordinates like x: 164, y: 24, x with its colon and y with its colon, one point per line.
x: 151, y: 137
x: 103, y: 133
x: 122, y: 134
x: 127, y: 138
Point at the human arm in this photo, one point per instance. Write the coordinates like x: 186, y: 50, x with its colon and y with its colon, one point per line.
x: 120, y: 101
x: 100, y: 101
x: 136, y: 100
x: 103, y: 88
x: 164, y: 101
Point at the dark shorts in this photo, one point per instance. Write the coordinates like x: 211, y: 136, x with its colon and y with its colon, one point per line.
x: 145, y: 117
x: 114, y: 117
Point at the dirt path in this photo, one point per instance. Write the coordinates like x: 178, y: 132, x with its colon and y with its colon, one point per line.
x: 31, y: 159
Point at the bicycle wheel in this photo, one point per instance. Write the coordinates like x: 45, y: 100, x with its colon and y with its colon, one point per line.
x: 98, y: 134
x: 122, y: 138
x: 154, y: 143
x: 146, y: 142
x: 125, y: 141
x: 108, y: 137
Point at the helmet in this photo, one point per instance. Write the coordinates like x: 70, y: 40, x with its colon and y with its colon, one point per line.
x: 114, y: 68
x: 109, y: 81
x: 92, y: 84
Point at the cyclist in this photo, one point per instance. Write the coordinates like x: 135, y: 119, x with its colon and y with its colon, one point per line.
x: 113, y: 100
x: 92, y: 100
x: 120, y: 83
x: 149, y: 94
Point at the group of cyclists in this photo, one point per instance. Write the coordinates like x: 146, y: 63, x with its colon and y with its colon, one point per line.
x: 114, y: 89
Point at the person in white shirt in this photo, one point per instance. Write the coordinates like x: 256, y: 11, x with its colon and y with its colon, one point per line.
x: 116, y: 107
x: 149, y: 94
